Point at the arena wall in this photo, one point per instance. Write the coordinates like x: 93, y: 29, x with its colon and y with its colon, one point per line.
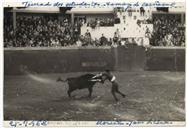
x: 131, y: 58
x: 61, y: 60
x: 166, y: 59
x: 57, y: 60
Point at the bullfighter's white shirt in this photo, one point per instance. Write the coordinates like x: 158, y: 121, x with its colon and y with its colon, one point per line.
x: 113, y: 79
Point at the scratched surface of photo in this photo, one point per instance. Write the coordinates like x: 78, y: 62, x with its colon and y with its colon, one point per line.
x: 102, y: 62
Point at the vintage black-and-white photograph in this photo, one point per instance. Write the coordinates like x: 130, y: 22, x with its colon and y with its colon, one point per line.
x: 90, y: 64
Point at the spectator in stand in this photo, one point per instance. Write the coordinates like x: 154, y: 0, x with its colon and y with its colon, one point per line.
x: 168, y: 39
x: 96, y: 42
x: 103, y: 40
x: 147, y: 37
x: 129, y: 11
x: 76, y: 31
x: 87, y: 38
x: 116, y: 39
x: 93, y: 24
x: 142, y: 11
x: 118, y: 33
x: 79, y: 42
x: 6, y: 43
x: 31, y: 42
x: 110, y: 42
x: 67, y: 40
x: 133, y: 42
x: 88, y: 34
x: 98, y: 23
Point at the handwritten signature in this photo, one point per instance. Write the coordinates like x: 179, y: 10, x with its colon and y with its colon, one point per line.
x: 132, y: 123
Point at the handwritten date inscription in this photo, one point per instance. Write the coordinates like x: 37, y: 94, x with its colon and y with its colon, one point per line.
x: 33, y: 123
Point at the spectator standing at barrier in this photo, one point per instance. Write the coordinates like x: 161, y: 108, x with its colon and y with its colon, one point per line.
x: 5, y: 42
x: 139, y: 41
x: 116, y: 39
x: 40, y: 43
x: 78, y: 42
x: 146, y: 43
x: 110, y: 42
x: 76, y: 32
x: 133, y: 42
x: 103, y: 40
x: 168, y: 39
x: 147, y: 37
x: 87, y: 37
x: 67, y: 40
x: 96, y: 42
x: 53, y: 42
x: 31, y: 42
x: 81, y: 37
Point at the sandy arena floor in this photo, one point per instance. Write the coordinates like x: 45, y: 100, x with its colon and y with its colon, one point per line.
x: 150, y: 96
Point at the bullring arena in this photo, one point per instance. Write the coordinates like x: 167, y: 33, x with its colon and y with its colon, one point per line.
x: 152, y: 94
x: 151, y: 74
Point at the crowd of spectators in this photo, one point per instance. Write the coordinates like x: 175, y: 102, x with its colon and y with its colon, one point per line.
x: 40, y: 31
x: 49, y: 31
x: 97, y: 22
x: 87, y: 40
x: 168, y: 31
x: 32, y: 31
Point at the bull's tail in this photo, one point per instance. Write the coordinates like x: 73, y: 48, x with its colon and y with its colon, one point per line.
x: 61, y: 80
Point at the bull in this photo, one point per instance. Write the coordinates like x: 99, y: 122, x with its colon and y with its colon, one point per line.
x: 82, y: 82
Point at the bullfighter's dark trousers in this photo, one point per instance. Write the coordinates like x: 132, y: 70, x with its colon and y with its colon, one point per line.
x: 115, y: 89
